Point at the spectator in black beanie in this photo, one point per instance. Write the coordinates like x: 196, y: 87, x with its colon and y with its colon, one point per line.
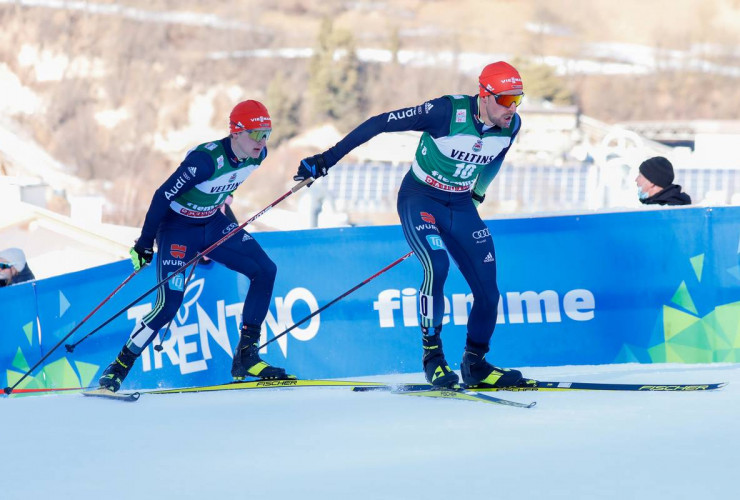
x: 655, y: 184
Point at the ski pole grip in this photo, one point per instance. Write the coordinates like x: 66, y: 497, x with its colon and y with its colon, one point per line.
x: 301, y: 184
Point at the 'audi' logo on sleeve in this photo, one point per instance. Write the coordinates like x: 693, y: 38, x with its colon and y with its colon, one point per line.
x: 482, y: 233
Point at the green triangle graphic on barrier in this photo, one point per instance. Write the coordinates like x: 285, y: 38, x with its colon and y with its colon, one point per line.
x: 658, y: 353
x: 695, y: 336
x: 717, y: 339
x: 28, y: 330
x: 61, y: 374
x: 690, y: 338
x: 626, y: 355
x: 675, y: 321
x: 671, y: 356
x: 28, y: 382
x: 87, y: 372
x: 19, y: 361
x: 689, y: 354
x: 682, y: 297
x: 698, y: 264
x: 727, y: 319
x: 724, y: 355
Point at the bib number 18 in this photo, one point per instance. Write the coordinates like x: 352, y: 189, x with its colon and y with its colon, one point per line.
x: 464, y: 170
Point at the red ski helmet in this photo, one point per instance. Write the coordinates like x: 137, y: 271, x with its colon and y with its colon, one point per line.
x: 499, y: 77
x: 249, y: 115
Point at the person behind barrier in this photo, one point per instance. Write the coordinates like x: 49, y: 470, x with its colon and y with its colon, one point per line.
x: 185, y: 218
x: 655, y: 184
x: 13, y: 267
x: 464, y: 141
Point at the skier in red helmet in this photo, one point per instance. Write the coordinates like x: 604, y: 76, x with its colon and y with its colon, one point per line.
x: 185, y: 217
x: 465, y: 139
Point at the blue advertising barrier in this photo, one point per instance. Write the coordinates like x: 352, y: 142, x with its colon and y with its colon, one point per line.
x: 653, y: 286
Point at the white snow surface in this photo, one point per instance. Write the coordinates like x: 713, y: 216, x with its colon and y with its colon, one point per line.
x: 326, y: 443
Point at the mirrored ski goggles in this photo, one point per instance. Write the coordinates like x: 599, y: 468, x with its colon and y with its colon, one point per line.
x: 506, y: 100
x: 259, y: 134
x: 6, y: 265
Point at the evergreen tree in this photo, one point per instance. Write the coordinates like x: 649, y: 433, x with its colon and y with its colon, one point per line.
x: 335, y: 78
x: 541, y: 82
x: 284, y: 106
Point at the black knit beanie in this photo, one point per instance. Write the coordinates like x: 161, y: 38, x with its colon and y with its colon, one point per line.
x: 658, y: 170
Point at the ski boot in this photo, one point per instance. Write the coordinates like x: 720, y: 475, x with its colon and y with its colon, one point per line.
x: 118, y: 370
x: 247, y: 361
x: 436, y: 369
x: 477, y: 371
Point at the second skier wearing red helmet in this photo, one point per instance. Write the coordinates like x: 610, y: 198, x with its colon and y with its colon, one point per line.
x: 184, y: 218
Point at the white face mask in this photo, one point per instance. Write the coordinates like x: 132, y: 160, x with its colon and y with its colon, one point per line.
x: 642, y: 194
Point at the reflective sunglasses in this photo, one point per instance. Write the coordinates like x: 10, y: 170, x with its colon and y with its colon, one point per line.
x: 259, y: 134
x: 6, y: 265
x: 506, y: 100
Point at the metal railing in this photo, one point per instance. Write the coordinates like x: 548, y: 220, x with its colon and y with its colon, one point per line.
x: 372, y: 187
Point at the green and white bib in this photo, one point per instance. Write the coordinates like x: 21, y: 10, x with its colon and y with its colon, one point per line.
x: 453, y: 162
x: 206, y: 197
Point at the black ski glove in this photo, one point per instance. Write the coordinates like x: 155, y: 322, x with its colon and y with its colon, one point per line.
x: 313, y: 166
x: 140, y: 256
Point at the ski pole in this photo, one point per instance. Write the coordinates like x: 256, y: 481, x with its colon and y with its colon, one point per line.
x: 159, y: 347
x: 325, y: 306
x: 8, y: 390
x: 71, y: 347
